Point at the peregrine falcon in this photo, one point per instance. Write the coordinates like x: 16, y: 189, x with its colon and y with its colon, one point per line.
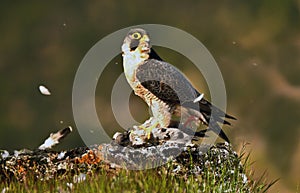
x: 167, y: 92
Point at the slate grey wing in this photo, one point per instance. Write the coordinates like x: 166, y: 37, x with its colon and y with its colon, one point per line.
x: 169, y: 85
x: 166, y: 82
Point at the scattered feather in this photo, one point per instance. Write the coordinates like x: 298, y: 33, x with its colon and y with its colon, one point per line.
x: 55, y: 138
x: 44, y: 90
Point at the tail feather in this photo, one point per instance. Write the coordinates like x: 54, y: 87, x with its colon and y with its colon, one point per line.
x: 230, y: 117
x: 208, y: 110
x: 210, y: 115
x: 213, y: 126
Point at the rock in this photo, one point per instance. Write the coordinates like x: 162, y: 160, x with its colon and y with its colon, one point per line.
x: 171, y: 146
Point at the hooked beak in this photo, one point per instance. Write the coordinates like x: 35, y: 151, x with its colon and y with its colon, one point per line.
x: 145, y: 43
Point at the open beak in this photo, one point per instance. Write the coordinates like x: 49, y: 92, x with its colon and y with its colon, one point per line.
x: 144, y: 43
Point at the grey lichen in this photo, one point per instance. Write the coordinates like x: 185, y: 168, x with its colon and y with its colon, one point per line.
x: 161, y: 151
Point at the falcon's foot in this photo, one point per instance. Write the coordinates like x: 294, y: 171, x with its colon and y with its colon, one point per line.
x: 148, y: 129
x: 141, y: 134
x: 148, y: 126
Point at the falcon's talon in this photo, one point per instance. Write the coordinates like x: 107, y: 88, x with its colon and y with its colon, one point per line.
x: 149, y: 129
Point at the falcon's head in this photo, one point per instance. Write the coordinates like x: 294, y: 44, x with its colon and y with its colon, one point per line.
x: 137, y: 41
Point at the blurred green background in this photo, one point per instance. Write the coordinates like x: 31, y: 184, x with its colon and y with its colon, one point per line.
x: 256, y: 44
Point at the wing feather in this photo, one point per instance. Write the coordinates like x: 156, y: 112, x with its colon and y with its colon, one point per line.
x: 168, y: 84
x: 165, y: 81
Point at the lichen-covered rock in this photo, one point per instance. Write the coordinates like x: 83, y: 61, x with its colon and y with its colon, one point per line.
x: 186, y: 160
x: 165, y: 147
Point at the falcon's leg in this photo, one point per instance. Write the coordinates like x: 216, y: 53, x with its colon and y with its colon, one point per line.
x: 161, y: 113
x: 161, y: 117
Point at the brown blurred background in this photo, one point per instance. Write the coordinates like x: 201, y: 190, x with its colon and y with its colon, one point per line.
x: 256, y: 44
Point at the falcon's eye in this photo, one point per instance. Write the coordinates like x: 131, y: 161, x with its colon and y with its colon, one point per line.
x: 136, y: 35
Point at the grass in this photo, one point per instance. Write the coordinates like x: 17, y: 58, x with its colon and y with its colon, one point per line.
x: 162, y: 179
